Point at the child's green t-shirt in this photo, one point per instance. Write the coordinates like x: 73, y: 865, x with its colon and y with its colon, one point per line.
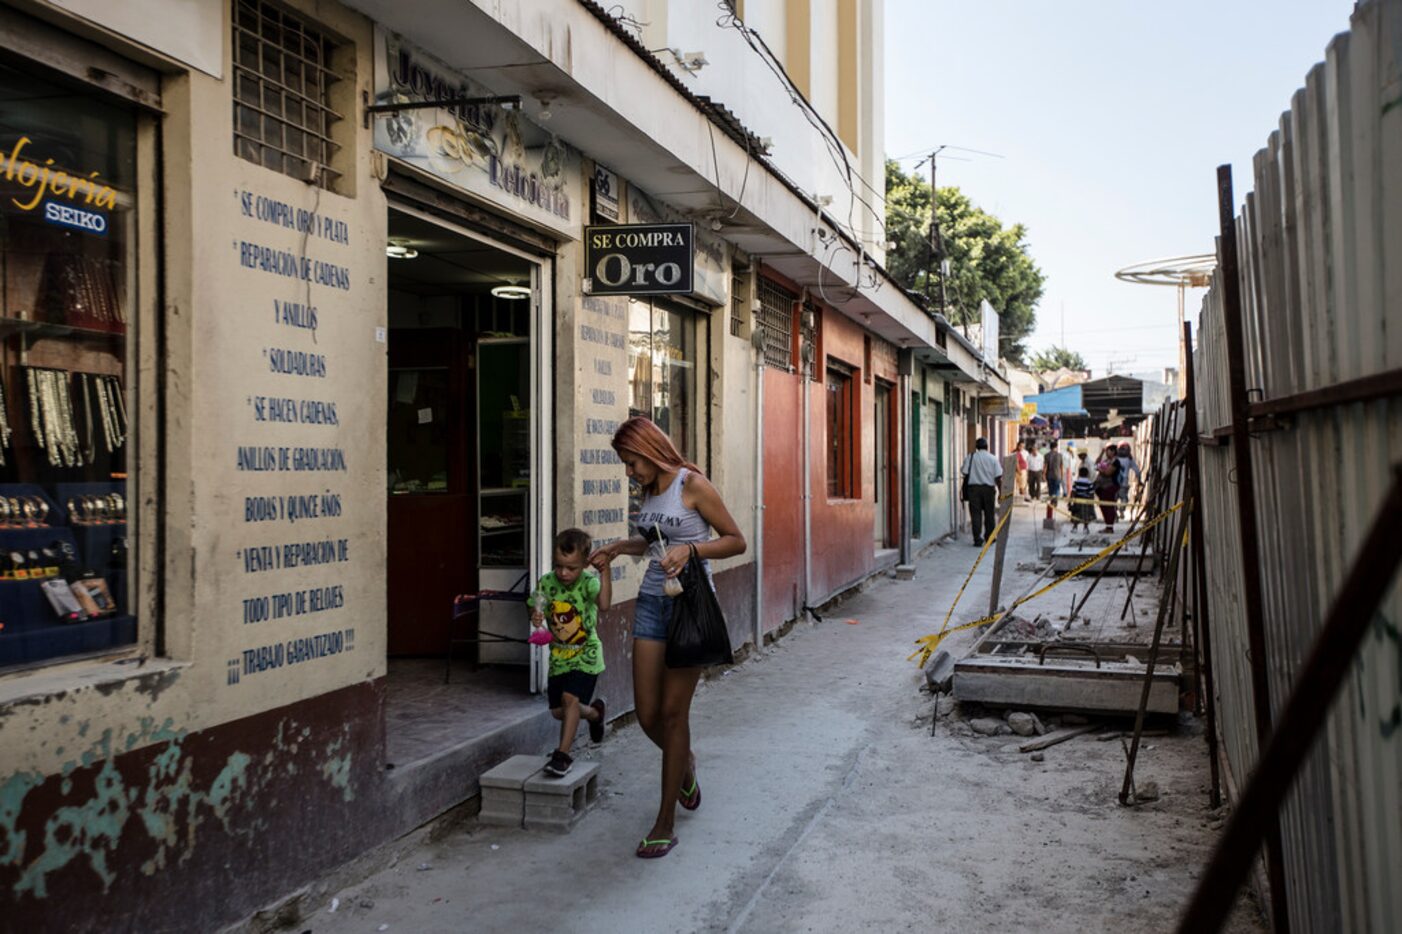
x: 572, y: 613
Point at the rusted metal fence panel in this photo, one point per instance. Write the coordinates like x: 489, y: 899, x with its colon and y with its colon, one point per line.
x: 1320, y: 246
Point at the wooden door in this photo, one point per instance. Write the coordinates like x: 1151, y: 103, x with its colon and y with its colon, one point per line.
x: 431, y: 546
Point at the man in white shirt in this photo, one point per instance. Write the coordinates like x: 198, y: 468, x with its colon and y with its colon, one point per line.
x: 982, y: 471
x: 1034, y: 471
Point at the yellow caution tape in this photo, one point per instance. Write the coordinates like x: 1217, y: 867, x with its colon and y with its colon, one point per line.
x: 928, y: 644
x: 988, y: 543
x: 1090, y: 502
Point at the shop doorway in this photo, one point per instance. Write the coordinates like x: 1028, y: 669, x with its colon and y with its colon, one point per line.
x: 917, y: 503
x: 465, y: 509
x: 881, y: 474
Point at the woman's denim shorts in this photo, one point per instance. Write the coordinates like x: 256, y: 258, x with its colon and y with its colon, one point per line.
x: 651, y: 614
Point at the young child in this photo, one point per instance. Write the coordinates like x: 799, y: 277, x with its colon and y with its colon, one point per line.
x: 1083, y: 491
x: 573, y: 595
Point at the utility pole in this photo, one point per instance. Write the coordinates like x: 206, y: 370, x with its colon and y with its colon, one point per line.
x: 935, y: 248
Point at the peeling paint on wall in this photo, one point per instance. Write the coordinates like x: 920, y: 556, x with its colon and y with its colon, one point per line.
x: 337, y: 769
x: 12, y: 794
x: 168, y: 805
x: 93, y: 828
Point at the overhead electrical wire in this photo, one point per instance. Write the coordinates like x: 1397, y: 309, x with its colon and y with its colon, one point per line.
x: 836, y: 151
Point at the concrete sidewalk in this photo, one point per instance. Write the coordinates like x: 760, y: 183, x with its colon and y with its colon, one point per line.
x: 828, y: 806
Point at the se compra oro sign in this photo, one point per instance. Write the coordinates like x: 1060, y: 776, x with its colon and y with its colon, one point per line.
x: 639, y: 259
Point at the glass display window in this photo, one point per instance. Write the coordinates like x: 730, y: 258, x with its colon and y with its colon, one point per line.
x: 68, y: 197
x: 664, y: 376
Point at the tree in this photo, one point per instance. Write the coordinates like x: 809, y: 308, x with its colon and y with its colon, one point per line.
x: 986, y: 259
x: 1054, y: 358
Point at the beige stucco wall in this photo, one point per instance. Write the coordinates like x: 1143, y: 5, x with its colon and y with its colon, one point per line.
x: 221, y: 333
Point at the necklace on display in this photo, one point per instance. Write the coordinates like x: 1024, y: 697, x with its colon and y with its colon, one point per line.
x: 4, y: 424
x: 51, y: 416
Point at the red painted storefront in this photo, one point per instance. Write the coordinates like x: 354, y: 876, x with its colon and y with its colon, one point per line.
x: 843, y: 527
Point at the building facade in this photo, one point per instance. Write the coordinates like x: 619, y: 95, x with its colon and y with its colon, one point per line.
x: 302, y: 341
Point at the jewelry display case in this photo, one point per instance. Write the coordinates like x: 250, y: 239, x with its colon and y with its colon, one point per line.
x: 67, y: 260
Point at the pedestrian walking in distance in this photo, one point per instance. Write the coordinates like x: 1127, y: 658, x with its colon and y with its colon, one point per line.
x: 683, y: 504
x: 1020, y: 479
x: 1082, y: 492
x: 982, y: 471
x: 568, y: 598
x: 1034, y: 471
x: 1107, y: 485
x: 1055, y: 470
x: 1127, y: 466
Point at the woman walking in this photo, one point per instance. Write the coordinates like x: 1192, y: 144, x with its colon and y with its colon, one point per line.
x: 681, y: 503
x: 1107, y: 486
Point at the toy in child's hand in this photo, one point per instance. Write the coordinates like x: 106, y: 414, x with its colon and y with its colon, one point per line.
x: 540, y: 637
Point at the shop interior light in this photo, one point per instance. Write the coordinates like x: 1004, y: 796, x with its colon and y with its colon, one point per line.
x: 511, y: 293
x: 399, y: 248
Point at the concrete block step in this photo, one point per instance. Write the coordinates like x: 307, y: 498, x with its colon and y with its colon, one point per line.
x: 513, y: 772
x: 557, y: 803
x: 519, y: 793
x: 502, y: 816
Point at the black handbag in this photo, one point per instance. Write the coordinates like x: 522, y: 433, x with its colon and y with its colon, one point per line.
x: 697, y: 635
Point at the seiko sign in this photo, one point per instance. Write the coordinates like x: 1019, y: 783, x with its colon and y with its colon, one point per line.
x: 639, y: 259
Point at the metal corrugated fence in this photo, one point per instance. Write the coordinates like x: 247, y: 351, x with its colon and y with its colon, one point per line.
x: 1320, y: 246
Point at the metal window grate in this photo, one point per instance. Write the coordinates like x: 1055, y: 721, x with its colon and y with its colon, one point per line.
x: 776, y: 319
x: 282, y: 84
x: 739, y: 299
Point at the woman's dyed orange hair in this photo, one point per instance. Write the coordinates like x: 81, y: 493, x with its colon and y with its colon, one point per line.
x: 641, y: 436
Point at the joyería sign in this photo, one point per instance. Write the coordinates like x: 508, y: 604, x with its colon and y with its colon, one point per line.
x: 639, y: 259
x: 492, y: 153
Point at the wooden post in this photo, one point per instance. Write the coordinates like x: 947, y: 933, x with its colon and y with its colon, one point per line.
x: 1005, y: 489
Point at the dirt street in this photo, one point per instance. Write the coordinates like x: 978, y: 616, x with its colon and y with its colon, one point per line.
x: 828, y: 806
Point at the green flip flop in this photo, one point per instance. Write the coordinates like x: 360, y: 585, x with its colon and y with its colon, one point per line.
x: 690, y: 798
x: 648, y: 848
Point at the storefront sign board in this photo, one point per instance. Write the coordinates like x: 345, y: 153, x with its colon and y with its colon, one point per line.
x: 607, y: 188
x: 639, y: 259
x: 491, y: 152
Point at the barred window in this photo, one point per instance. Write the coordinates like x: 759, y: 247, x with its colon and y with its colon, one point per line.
x: 776, y: 319
x: 282, y: 92
x: 739, y: 299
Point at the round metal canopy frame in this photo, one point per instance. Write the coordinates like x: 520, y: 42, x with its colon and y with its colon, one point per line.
x: 1180, y: 272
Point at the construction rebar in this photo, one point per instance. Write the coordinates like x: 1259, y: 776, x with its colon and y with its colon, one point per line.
x: 1229, y: 277
x: 1200, y: 612
x: 1151, y: 660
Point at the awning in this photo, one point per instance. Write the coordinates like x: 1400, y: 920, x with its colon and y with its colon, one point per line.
x: 1064, y: 401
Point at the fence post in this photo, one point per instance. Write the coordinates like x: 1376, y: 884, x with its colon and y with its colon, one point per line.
x: 1200, y: 609
x: 1246, y: 518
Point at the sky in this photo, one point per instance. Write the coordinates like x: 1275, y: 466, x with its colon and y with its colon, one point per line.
x: 1111, y: 117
